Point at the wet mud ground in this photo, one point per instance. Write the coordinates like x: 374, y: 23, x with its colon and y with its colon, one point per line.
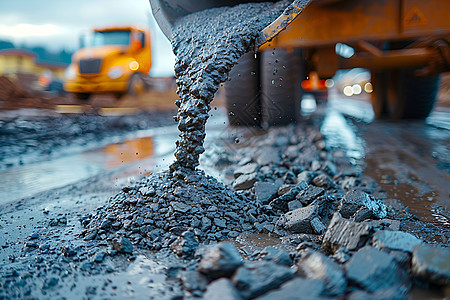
x: 42, y: 255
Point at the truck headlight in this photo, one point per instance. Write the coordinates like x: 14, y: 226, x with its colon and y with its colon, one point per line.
x: 115, y: 72
x: 70, y: 73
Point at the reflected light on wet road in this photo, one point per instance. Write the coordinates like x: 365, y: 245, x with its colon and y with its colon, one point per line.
x: 27, y: 180
x: 338, y: 133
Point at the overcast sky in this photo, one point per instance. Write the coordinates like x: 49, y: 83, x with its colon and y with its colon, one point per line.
x: 57, y: 24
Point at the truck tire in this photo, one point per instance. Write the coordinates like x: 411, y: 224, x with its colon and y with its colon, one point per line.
x: 400, y: 94
x: 281, y: 92
x: 137, y: 85
x: 242, y: 93
x: 82, y: 96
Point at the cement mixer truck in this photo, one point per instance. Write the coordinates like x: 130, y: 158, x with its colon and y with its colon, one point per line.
x: 404, y: 44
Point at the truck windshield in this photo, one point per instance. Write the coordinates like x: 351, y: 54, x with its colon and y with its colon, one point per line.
x: 118, y: 37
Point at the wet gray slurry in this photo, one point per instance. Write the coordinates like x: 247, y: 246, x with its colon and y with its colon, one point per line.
x: 207, y: 44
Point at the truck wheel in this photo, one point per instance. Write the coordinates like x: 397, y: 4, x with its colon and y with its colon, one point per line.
x: 82, y: 96
x: 404, y: 95
x: 137, y: 85
x: 281, y: 75
x: 242, y: 93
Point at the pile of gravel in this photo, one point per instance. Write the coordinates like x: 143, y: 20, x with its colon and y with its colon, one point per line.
x: 162, y: 208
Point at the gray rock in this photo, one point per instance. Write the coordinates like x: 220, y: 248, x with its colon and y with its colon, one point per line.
x: 317, y: 266
x: 342, y: 233
x: 391, y: 293
x: 221, y: 289
x: 193, y: 281
x: 330, y: 168
x: 180, y: 206
x: 362, y: 214
x: 219, y: 222
x: 265, y: 191
x: 323, y: 180
x: 317, y: 225
x: 100, y: 257
x: 432, y: 264
x: 385, y: 223
x: 122, y: 245
x: 278, y: 256
x: 395, y: 240
x: 296, y: 289
x: 268, y: 157
x: 374, y: 270
x: 294, y: 204
x: 353, y: 200
x: 282, y: 201
x: 147, y: 191
x: 246, y: 169
x: 310, y: 194
x: 305, y: 176
x: 185, y: 245
x: 244, y: 182
x: 257, y: 277
x: 220, y: 260
x: 206, y: 223
x: 315, y: 165
x: 298, y: 220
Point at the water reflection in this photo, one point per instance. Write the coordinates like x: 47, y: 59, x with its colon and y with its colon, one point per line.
x: 340, y: 134
x: 24, y: 181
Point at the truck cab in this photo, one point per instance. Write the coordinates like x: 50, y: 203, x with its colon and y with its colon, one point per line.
x: 115, y: 60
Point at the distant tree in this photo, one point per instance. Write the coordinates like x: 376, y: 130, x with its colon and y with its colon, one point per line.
x: 6, y: 44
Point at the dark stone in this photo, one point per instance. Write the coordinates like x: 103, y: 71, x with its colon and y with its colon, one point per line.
x: 244, y: 182
x: 147, y: 191
x: 318, y: 226
x: 431, y: 263
x: 294, y: 204
x: 180, y: 207
x: 298, y: 220
x: 193, y: 281
x: 257, y: 277
x: 342, y: 233
x: 296, y: 289
x: 185, y: 245
x: 374, y: 270
x: 362, y: 214
x: 317, y: 266
x: 220, y: 260
x: 323, y: 180
x: 385, y: 224
x: 265, y: 191
x: 34, y: 236
x: 106, y: 224
x: 278, y: 256
x: 354, y: 200
x: 100, y: 257
x: 221, y: 289
x: 68, y: 251
x: 220, y: 222
x: 310, y: 194
x: 122, y: 245
x: 282, y: 201
x: 395, y: 240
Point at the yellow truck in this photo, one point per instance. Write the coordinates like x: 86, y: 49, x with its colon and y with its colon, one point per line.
x: 117, y: 61
x: 403, y: 43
